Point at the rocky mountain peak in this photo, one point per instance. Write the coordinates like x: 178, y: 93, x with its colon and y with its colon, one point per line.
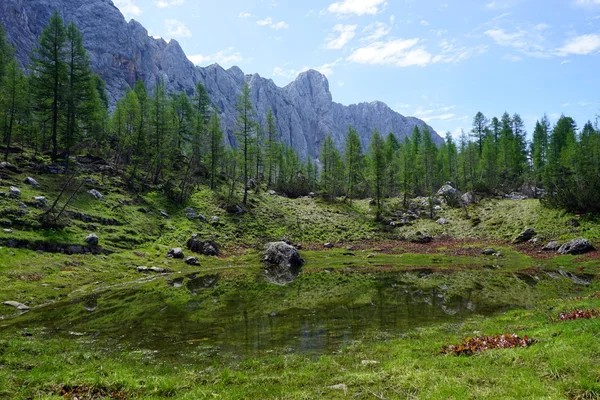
x: 122, y: 53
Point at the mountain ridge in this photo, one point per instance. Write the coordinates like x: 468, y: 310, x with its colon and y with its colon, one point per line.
x: 122, y: 52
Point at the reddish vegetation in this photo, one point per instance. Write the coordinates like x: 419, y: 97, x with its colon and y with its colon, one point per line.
x: 86, y: 392
x: 470, y: 346
x: 577, y: 314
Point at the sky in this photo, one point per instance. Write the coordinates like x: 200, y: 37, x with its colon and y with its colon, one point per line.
x: 441, y: 61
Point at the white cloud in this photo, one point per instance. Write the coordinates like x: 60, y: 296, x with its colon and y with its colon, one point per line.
x: 397, y: 52
x: 512, y: 57
x: 272, y: 23
x: 168, y: 3
x: 424, y: 23
x: 563, y: 62
x: 245, y: 15
x: 225, y: 58
x: 376, y: 31
x: 452, y: 52
x: 581, y: 45
x: 346, y: 34
x: 528, y: 43
x: 587, y: 2
x: 177, y: 29
x: 357, y: 7
x: 128, y: 8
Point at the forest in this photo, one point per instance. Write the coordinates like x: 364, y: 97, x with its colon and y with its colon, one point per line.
x: 59, y: 109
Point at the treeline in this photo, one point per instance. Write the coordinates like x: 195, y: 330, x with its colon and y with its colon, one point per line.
x: 176, y: 141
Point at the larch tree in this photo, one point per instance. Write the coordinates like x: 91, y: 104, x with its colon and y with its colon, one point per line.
x: 246, y: 127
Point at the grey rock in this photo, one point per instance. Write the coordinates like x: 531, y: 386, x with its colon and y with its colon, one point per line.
x: 448, y: 190
x: 17, y: 305
x: 576, y: 246
x: 214, y: 219
x: 192, y: 261
x: 6, y: 165
x: 30, y: 181
x: 272, y: 193
x: 122, y: 52
x: 142, y: 269
x: 92, y: 239
x: 95, y: 194
x: 468, y: 198
x: 422, y: 239
x: 488, y: 252
x: 40, y: 201
x: 157, y: 270
x: 163, y: 214
x: 282, y: 263
x: 328, y: 245
x: 524, y: 236
x: 516, y: 196
x: 7, y: 230
x: 552, y: 246
x: 204, y: 247
x: 176, y: 253
x: 14, y: 192
x: 442, y: 221
x: 190, y: 213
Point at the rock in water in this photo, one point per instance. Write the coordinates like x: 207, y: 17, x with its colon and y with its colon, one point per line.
x: 282, y: 263
x: 204, y: 247
x: 17, y: 305
x: 576, y: 246
x: 176, y: 253
x: 524, y: 236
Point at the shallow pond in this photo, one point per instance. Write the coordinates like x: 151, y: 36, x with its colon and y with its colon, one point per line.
x: 198, y: 317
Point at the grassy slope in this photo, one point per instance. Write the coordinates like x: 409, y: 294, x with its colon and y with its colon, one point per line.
x: 408, y: 367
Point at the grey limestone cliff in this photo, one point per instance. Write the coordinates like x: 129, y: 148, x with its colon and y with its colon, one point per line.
x: 122, y: 52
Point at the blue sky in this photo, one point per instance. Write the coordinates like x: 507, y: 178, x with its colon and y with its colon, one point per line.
x: 441, y: 61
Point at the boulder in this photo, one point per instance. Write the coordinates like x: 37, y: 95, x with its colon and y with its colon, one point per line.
x: 14, y: 192
x: 192, y: 261
x: 282, y: 263
x: 92, y: 239
x: 272, y: 193
x: 576, y: 246
x: 95, y: 194
x: 552, y: 246
x: 157, y: 270
x: 8, y: 166
x: 422, y: 239
x: 525, y: 236
x: 30, y: 181
x: 442, y: 221
x: 488, y: 252
x: 40, y: 201
x: 17, y: 305
x: 190, y: 213
x: 448, y: 190
x: 204, y: 247
x: 468, y: 198
x: 176, y: 253
x: 328, y: 245
x: 142, y: 269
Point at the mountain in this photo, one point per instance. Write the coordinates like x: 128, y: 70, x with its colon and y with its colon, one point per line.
x: 122, y: 52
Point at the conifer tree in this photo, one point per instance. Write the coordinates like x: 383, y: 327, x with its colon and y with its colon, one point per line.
x: 216, y: 146
x: 353, y: 158
x: 246, y: 127
x: 378, y: 169
x: 14, y: 94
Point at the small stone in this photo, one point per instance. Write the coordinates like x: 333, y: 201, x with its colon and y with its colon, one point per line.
x: 164, y: 214
x: 7, y: 230
x: 40, y: 201
x: 17, y: 305
x: 525, y: 236
x: 442, y: 221
x: 192, y: 261
x: 142, y: 269
x: 272, y: 193
x: 92, y: 239
x: 369, y: 362
x: 328, y: 245
x: 552, y: 246
x: 214, y: 219
x: 176, y: 253
x: 488, y: 252
x: 95, y: 194
x: 157, y: 270
x: 339, y: 386
x: 14, y: 192
x: 30, y: 181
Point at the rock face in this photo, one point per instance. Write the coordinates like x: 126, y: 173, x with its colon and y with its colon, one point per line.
x: 282, y: 263
x: 576, y: 246
x: 122, y: 53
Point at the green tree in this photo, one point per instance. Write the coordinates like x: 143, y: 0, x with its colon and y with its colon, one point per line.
x: 49, y: 70
x: 216, y: 146
x: 378, y: 169
x: 353, y: 158
x: 271, y: 147
x: 14, y: 94
x: 480, y: 129
x: 246, y: 127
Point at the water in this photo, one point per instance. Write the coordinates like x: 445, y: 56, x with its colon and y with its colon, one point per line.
x: 190, y: 318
